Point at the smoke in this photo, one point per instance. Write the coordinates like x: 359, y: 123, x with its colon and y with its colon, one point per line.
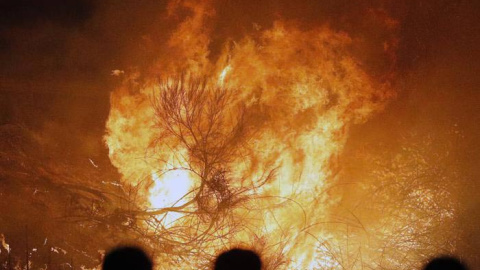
x: 57, y: 57
x: 429, y: 126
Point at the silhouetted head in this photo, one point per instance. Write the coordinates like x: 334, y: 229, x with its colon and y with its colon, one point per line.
x: 238, y: 259
x: 445, y: 263
x: 127, y: 258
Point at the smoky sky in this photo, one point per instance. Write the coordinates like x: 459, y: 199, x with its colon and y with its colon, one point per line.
x: 56, y: 57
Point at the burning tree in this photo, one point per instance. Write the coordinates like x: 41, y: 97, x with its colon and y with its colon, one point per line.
x: 204, y: 133
x: 246, y: 156
x: 201, y: 121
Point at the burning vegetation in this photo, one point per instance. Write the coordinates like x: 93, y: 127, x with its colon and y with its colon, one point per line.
x: 243, y: 150
x: 243, y: 136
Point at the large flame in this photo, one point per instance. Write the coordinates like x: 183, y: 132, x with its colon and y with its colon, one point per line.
x: 300, y: 91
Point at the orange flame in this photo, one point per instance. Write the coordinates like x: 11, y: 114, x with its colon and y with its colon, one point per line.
x: 4, y: 243
x: 301, y: 90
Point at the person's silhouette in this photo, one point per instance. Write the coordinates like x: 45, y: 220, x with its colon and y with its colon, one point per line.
x: 445, y: 263
x: 127, y: 258
x: 238, y: 259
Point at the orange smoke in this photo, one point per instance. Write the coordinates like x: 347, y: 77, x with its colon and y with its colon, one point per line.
x: 298, y: 90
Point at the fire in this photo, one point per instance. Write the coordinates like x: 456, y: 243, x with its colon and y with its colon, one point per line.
x: 221, y: 78
x: 296, y: 91
x: 169, y: 190
x: 4, y: 243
